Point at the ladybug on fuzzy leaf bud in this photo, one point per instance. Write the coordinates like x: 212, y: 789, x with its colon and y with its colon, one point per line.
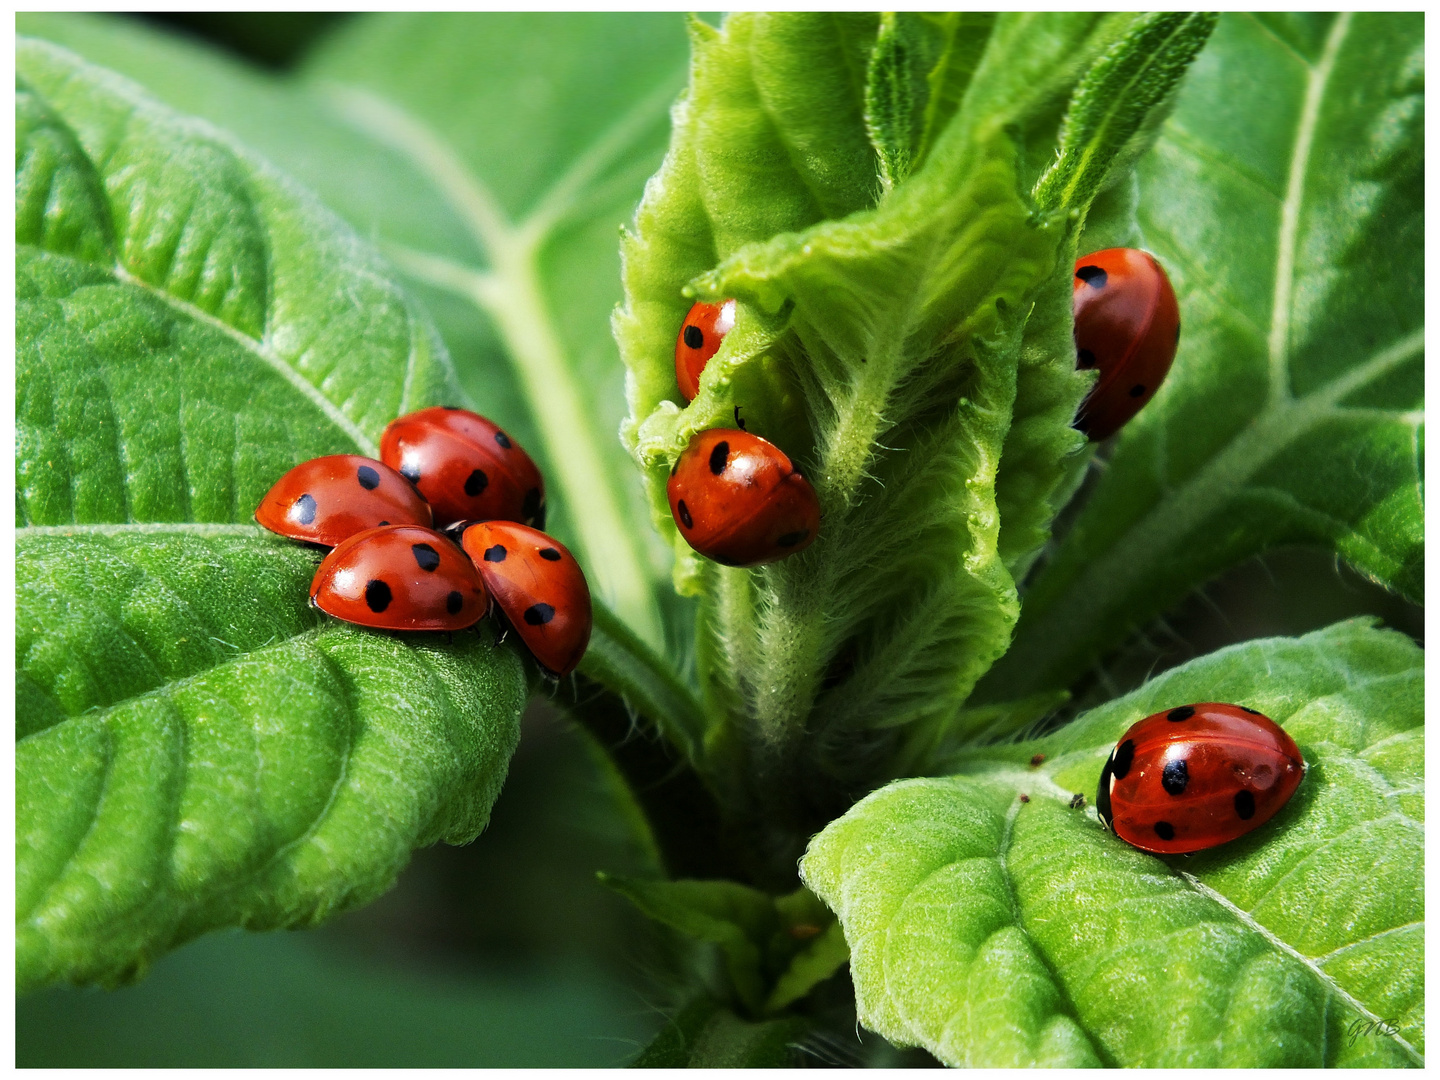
x: 1127, y: 325
x: 737, y: 499
x: 700, y: 338
x: 1197, y: 776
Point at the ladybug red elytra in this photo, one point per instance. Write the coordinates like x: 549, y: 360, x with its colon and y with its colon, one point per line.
x: 702, y: 332
x: 537, y: 584
x: 465, y: 466
x: 1196, y: 776
x: 737, y: 499
x: 328, y: 499
x: 1127, y: 324
x: 400, y: 577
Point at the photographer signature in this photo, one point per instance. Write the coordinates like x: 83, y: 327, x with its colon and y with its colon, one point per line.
x: 1370, y: 1027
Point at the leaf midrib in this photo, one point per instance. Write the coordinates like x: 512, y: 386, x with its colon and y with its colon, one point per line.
x: 511, y: 294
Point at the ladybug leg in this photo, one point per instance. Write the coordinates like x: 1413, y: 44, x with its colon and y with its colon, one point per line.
x: 738, y: 422
x: 449, y: 637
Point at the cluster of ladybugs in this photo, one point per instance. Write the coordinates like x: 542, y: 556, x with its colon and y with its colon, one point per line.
x: 447, y: 469
x: 739, y: 500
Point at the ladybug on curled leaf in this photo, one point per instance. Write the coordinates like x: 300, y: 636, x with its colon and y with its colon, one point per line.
x: 700, y: 337
x: 737, y: 499
x: 465, y: 466
x: 1127, y: 325
x: 538, y: 586
x: 327, y: 499
x: 400, y: 577
x: 1197, y: 776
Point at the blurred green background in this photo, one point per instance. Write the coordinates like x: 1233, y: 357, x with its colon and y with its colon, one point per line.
x: 506, y: 952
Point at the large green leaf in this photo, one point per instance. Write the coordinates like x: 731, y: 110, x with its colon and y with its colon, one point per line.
x: 993, y: 924
x: 197, y: 747
x: 493, y: 156
x: 1285, y: 197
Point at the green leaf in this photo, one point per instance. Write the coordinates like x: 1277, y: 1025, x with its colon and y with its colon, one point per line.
x: 998, y: 930
x: 198, y: 748
x: 877, y: 339
x: 705, y: 1035
x: 493, y: 156
x: 1292, y: 232
x: 776, y: 949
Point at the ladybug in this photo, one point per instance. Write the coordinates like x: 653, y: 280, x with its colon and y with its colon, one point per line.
x: 465, y: 466
x: 537, y: 585
x: 400, y: 577
x: 700, y: 337
x: 1196, y: 776
x: 1127, y: 324
x: 328, y: 499
x: 738, y: 500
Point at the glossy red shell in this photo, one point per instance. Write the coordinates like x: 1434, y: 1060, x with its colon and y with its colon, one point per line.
x: 465, y: 466
x: 700, y: 336
x: 737, y: 499
x: 539, y: 587
x: 1127, y: 324
x: 1196, y: 776
x: 400, y: 577
x: 328, y: 499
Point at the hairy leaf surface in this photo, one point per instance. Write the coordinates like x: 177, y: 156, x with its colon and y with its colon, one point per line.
x: 198, y: 748
x: 877, y: 342
x: 1292, y: 233
x: 995, y: 925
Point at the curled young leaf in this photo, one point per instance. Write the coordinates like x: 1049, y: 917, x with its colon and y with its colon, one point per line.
x: 877, y: 342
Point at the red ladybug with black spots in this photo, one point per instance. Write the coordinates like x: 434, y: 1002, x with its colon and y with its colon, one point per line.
x: 737, y: 499
x: 328, y: 499
x: 700, y: 338
x: 1197, y: 776
x: 538, y: 586
x: 400, y: 577
x: 1127, y: 325
x: 465, y: 466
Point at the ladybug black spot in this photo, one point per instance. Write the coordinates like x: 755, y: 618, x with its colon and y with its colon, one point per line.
x: 533, y: 509
x: 410, y: 471
x: 1164, y: 830
x: 1122, y: 757
x: 1085, y: 359
x: 377, y: 595
x: 694, y: 337
x: 304, y: 510
x: 718, y: 457
x: 368, y: 477
x: 684, y: 514
x: 1182, y: 713
x: 495, y: 554
x: 1092, y: 276
x: 503, y: 440
x: 475, y: 483
x: 539, y: 614
x: 1244, y: 804
x: 1137, y: 390
x: 793, y: 538
x: 454, y: 602
x: 1175, y: 777
x: 426, y: 557
x: 550, y: 554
